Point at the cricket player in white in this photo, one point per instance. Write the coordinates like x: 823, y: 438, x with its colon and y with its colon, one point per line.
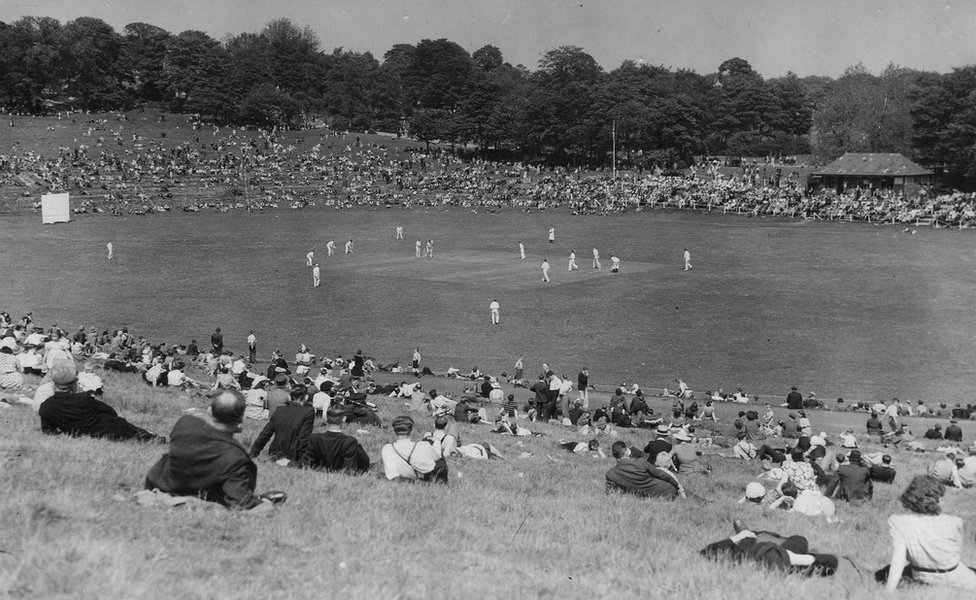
x: 545, y: 270
x: 493, y: 307
x: 614, y: 264
x: 309, y: 258
x: 330, y: 247
x: 349, y: 247
x: 429, y: 250
x: 572, y: 261
x: 399, y: 232
x: 596, y: 259
x: 418, y: 247
x: 521, y: 250
x: 111, y: 251
x: 552, y: 235
x: 688, y: 266
x: 316, y: 276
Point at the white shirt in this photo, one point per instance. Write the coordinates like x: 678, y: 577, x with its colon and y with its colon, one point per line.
x: 932, y: 541
x: 813, y: 504
x: 545, y: 267
x: 89, y: 382
x: 321, y: 401
x: 175, y: 378
x: 494, y: 306
x: 421, y: 454
x: 316, y: 272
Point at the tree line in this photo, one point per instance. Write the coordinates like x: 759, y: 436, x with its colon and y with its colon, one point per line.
x: 567, y: 111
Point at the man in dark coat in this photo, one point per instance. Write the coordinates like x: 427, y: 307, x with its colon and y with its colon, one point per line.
x: 205, y: 460
x: 852, y: 481
x: 79, y: 413
x: 639, y: 477
x: 333, y: 450
x: 794, y: 400
x: 290, y: 426
x: 953, y: 432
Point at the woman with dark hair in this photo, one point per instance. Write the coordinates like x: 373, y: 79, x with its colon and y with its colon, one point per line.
x: 11, y: 376
x: 926, y: 545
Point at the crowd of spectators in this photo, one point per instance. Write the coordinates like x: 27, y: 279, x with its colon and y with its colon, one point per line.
x: 226, y: 169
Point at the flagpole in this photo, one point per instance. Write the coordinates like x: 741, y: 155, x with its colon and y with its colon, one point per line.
x: 614, y: 149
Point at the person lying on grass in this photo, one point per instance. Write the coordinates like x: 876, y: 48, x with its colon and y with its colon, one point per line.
x: 447, y: 443
x: 79, y: 413
x: 811, y: 503
x: 639, y: 477
x: 205, y: 460
x: 772, y: 551
x: 407, y: 460
x: 592, y: 448
x: 926, y: 544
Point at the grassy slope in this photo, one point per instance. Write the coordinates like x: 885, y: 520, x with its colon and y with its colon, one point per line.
x: 515, y: 528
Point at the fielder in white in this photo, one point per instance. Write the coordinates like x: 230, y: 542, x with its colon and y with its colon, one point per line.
x: 418, y: 246
x: 330, y: 247
x: 349, y: 247
x: 521, y: 250
x: 399, y: 232
x: 309, y: 258
x: 494, y: 308
x: 111, y: 250
x: 688, y: 266
x: 596, y: 259
x: 572, y: 261
x: 545, y: 271
x: 552, y: 235
x: 316, y: 276
x: 614, y: 264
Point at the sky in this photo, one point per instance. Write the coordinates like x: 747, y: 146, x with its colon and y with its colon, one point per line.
x: 809, y: 37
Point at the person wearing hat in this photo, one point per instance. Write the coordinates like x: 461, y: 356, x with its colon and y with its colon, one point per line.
x: 334, y: 450
x: 256, y: 400
x: 288, y: 429
x: 686, y: 457
x: 280, y: 393
x: 79, y: 413
x: 639, y: 477
x: 205, y: 460
x: 407, y: 460
x: 852, y: 480
x: 772, y: 551
x: 755, y: 493
x: 794, y: 400
x: 495, y: 394
x: 934, y: 433
x: 945, y: 470
x: 659, y: 444
x: 953, y: 432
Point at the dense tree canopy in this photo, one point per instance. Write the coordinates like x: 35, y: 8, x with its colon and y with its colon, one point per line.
x: 567, y: 111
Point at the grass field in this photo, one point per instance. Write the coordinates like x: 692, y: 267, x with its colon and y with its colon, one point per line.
x: 859, y: 311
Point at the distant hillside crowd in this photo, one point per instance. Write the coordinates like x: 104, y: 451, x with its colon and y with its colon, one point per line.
x: 565, y: 112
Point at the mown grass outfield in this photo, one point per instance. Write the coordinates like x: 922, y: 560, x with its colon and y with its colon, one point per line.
x: 847, y: 310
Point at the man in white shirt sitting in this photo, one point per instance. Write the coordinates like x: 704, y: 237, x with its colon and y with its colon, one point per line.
x: 407, y: 460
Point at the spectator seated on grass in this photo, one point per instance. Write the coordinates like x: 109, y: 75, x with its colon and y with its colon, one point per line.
x: 743, y: 448
x: 880, y: 468
x: 89, y: 382
x: 874, y: 426
x: 334, y: 450
x: 953, y: 432
x: 772, y: 551
x: 945, y: 471
x: 79, y: 413
x: 257, y: 401
x: 205, y: 460
x: 755, y: 493
x: 811, y: 503
x: 591, y: 447
x: 11, y: 372
x: 686, y: 457
x: 639, y: 477
x: 926, y: 544
x: 288, y: 429
x: 407, y: 460
x: 934, y: 433
x: 852, y: 480
x: 177, y: 378
x: 447, y: 443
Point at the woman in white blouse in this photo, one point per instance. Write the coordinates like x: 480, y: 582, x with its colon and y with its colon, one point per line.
x: 927, y: 545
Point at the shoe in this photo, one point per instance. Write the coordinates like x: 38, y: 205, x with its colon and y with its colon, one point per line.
x: 739, y: 526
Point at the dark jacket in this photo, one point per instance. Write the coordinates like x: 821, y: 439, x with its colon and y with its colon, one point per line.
x: 851, y: 482
x: 291, y: 425
x: 335, y: 451
x: 206, y: 462
x: 640, y: 478
x: 794, y: 400
x: 80, y: 414
x: 953, y: 433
